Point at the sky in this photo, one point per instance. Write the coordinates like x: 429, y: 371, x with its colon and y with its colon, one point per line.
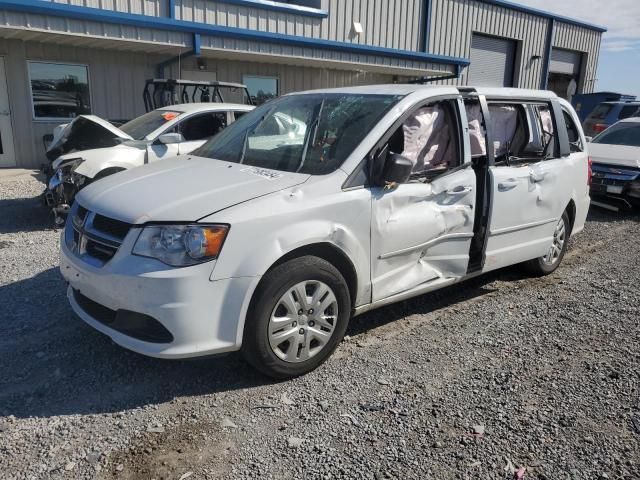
x: 619, y: 68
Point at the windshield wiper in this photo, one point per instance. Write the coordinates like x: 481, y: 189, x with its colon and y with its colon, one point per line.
x: 310, y: 138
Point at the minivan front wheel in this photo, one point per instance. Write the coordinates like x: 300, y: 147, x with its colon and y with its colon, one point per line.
x: 297, y: 318
x: 552, y: 259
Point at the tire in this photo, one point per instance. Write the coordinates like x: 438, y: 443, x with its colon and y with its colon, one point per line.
x: 549, y: 263
x: 282, y: 343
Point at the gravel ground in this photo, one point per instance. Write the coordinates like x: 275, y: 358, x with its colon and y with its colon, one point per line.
x: 501, y: 377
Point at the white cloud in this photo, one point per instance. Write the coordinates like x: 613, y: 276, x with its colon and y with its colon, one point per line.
x: 620, y: 17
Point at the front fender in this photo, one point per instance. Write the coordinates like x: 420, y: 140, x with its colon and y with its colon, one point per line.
x: 95, y: 161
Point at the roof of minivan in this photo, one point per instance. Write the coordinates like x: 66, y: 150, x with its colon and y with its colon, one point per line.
x: 406, y: 89
x: 206, y: 107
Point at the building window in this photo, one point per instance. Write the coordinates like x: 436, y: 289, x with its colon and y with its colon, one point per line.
x: 261, y: 89
x: 59, y: 90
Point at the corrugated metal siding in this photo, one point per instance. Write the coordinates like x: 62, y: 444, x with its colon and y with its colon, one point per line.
x: 103, y: 31
x: 572, y: 37
x: 454, y: 21
x: 386, y: 23
x: 291, y: 78
x: 157, y: 8
x: 291, y: 53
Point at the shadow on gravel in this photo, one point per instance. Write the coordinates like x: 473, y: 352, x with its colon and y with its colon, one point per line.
x: 601, y: 215
x: 53, y: 364
x: 24, y: 214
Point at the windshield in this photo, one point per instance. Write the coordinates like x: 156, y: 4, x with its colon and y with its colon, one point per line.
x: 311, y: 133
x: 140, y: 127
x: 621, y: 134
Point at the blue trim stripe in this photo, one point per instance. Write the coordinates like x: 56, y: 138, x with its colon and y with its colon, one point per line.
x: 544, y: 14
x: 143, y: 21
x: 280, y: 7
x: 196, y: 44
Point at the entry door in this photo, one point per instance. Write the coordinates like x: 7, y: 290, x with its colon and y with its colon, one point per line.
x: 7, y: 152
x: 421, y: 232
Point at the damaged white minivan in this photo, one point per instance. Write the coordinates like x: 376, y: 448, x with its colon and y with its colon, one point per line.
x: 268, y: 242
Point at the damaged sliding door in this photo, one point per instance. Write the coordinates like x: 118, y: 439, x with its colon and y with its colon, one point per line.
x: 421, y: 230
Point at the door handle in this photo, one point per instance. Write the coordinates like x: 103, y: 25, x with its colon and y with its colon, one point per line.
x: 536, y: 177
x: 459, y: 190
x: 507, y: 185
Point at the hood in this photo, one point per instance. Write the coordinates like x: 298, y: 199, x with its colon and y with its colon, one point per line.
x: 183, y: 189
x: 621, y: 155
x: 83, y: 133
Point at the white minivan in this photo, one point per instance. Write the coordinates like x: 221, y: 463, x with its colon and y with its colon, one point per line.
x: 319, y: 206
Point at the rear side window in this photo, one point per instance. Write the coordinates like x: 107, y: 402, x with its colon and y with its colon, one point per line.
x: 575, y: 142
x: 522, y: 132
x: 628, y: 111
x: 601, y: 111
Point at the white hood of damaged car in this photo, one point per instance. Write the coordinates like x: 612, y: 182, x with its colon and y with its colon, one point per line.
x: 182, y: 189
x: 620, y: 155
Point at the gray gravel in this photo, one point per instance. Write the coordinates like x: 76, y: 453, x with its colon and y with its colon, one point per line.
x: 503, y: 377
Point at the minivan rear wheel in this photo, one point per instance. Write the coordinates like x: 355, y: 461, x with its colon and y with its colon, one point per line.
x: 552, y: 259
x: 297, y: 318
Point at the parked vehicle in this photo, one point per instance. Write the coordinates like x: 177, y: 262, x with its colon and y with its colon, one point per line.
x: 90, y: 148
x: 608, y: 113
x: 268, y: 240
x: 585, y: 103
x: 616, y: 166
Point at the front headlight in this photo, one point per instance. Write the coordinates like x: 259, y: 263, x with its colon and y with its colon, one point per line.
x: 181, y: 245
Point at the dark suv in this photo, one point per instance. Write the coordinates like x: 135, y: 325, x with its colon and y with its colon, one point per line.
x: 608, y: 113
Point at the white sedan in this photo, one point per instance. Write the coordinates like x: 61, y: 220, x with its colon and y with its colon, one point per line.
x: 615, y: 154
x: 90, y: 148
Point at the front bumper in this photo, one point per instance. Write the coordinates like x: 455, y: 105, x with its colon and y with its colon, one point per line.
x: 615, y: 187
x: 203, y: 317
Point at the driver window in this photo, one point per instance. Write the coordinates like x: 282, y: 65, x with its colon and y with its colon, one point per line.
x: 200, y: 127
x: 428, y: 137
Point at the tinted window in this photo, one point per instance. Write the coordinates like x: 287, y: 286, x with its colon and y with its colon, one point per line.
x: 200, y: 127
x: 59, y: 90
x: 621, y: 134
x: 601, y: 111
x: 140, y: 127
x: 628, y: 111
x: 313, y: 133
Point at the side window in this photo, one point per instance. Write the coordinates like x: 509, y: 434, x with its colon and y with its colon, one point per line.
x: 200, y: 127
x: 428, y: 137
x: 575, y: 142
x: 238, y: 115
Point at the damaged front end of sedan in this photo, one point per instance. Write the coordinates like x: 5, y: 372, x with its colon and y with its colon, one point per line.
x: 614, y: 187
x: 62, y: 188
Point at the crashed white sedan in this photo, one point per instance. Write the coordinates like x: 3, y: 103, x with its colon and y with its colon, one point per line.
x: 90, y: 148
x: 269, y: 243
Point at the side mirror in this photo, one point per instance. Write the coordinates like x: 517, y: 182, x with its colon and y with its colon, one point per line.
x: 170, y: 138
x: 588, y: 139
x: 397, y: 169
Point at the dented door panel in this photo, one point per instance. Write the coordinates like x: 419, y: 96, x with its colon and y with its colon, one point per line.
x: 421, y: 232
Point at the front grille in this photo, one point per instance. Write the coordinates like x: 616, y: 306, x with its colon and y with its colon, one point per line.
x: 93, y: 237
x: 110, y: 226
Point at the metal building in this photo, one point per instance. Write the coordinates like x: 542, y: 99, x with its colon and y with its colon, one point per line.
x: 60, y: 58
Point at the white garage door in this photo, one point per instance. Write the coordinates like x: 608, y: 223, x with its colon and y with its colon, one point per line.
x: 565, y: 61
x: 492, y: 61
